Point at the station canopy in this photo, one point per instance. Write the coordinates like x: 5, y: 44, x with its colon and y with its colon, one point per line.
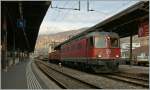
x: 125, y: 23
x: 16, y: 12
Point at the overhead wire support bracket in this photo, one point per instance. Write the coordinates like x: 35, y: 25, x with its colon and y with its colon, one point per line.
x: 67, y: 8
x: 88, y: 7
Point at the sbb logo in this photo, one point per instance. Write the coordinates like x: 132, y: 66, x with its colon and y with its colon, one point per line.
x: 108, y: 52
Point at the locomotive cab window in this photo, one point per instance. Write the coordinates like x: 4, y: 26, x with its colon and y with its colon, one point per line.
x: 114, y: 42
x: 99, y: 42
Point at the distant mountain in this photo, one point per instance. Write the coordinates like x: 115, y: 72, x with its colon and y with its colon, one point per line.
x: 43, y: 41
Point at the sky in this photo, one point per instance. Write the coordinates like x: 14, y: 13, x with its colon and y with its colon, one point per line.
x: 60, y: 20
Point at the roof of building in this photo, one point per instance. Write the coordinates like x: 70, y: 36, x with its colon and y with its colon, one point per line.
x: 32, y: 12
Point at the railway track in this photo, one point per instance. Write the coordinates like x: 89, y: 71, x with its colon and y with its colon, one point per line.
x: 132, y: 77
x: 63, y: 80
x: 128, y: 79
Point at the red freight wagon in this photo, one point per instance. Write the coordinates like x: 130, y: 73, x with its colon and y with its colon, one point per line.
x: 54, y: 56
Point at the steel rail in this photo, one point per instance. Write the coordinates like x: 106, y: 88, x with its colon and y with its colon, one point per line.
x: 71, y: 77
x: 133, y: 81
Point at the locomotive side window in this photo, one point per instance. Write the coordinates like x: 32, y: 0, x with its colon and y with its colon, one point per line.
x: 91, y: 42
x: 114, y: 42
x: 99, y: 42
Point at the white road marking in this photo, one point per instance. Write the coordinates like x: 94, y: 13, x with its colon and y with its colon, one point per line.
x: 32, y: 82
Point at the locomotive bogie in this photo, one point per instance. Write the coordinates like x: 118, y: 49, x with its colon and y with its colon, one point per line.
x: 95, y: 65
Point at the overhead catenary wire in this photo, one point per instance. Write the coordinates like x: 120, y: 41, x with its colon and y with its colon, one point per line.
x: 58, y: 14
x: 88, y: 6
x: 57, y: 11
x: 67, y: 12
x: 105, y: 13
x: 89, y: 9
x: 66, y: 7
x: 61, y: 16
x: 64, y: 15
x: 65, y: 4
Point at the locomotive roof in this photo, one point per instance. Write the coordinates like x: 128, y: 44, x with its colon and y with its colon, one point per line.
x: 97, y: 33
x: 94, y: 33
x: 124, y: 23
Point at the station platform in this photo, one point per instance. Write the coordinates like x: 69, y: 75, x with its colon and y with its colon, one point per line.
x: 25, y: 75
x: 14, y: 78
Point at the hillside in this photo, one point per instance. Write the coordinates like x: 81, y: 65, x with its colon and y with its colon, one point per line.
x: 43, y: 41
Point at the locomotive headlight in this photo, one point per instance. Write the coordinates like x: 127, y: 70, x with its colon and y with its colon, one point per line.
x: 117, y: 56
x: 99, y: 55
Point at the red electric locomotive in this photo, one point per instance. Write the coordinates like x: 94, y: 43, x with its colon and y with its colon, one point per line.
x: 97, y: 51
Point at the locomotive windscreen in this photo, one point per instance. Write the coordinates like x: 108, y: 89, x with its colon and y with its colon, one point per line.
x: 99, y: 42
x: 106, y: 42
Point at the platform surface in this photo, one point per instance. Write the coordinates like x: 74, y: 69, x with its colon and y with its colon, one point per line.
x: 21, y: 76
x: 14, y: 78
x: 26, y: 75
